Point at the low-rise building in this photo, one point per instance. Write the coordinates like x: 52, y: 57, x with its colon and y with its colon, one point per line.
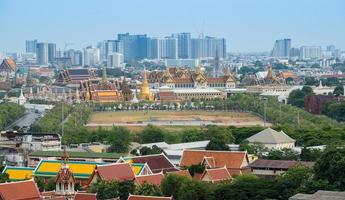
x: 320, y: 194
x: 272, y: 139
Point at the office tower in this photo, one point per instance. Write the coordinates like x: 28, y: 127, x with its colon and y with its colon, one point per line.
x: 168, y: 48
x: 310, y: 52
x: 108, y: 47
x: 91, y: 56
x: 294, y: 52
x: 206, y: 47
x: 51, y: 52
x: 30, y: 46
x: 281, y: 48
x: 42, y: 53
x: 115, y: 60
x: 133, y: 46
x: 331, y: 48
x: 184, y: 45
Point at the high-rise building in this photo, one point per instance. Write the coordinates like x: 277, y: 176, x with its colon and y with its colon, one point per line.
x: 310, y: 52
x: 295, y: 52
x: 184, y: 45
x: 153, y: 48
x: 206, y: 47
x: 133, y: 46
x: 115, y: 60
x: 108, y: 47
x: 42, y: 53
x: 51, y: 52
x: 168, y: 48
x: 30, y: 46
x: 91, y: 56
x: 281, y: 48
x: 76, y: 57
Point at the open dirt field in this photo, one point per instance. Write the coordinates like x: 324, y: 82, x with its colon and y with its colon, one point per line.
x: 173, y: 118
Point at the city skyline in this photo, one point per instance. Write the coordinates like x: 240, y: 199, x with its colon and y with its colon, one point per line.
x: 247, y: 25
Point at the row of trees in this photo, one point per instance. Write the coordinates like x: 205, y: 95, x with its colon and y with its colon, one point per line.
x: 327, y: 174
x: 10, y: 112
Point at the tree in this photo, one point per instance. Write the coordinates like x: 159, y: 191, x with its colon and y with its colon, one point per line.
x: 255, y: 148
x: 119, y: 139
x: 192, y: 189
x: 330, y: 167
x: 245, y: 187
x: 212, y: 131
x: 105, y: 189
x: 4, y: 177
x: 284, y: 154
x: 152, y: 134
x: 296, y: 97
x: 310, y: 154
x: 291, y: 182
x: 126, y: 188
x: 196, y: 169
x: 217, y: 144
x: 148, y: 189
x: 171, y: 185
x: 338, y: 91
x: 149, y: 151
x: 192, y: 135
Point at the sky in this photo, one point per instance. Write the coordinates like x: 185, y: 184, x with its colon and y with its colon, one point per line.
x: 247, y: 25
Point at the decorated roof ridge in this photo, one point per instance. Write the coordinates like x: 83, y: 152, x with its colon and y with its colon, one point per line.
x: 153, y: 174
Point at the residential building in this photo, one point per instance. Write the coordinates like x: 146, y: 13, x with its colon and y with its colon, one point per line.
x: 108, y: 47
x: 115, y: 60
x: 30, y: 46
x: 281, y: 48
x: 168, y: 48
x: 42, y: 53
x: 91, y: 56
x: 206, y: 47
x: 184, y: 45
x: 272, y: 139
x: 76, y: 57
x: 310, y: 52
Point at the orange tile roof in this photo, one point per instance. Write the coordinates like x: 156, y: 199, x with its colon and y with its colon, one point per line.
x: 216, y: 175
x: 85, y: 196
x: 21, y: 190
x: 139, y: 197
x: 182, y: 173
x: 230, y: 159
x: 155, y: 179
x: 115, y: 171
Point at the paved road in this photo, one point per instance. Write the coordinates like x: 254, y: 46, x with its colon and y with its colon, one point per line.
x: 26, y: 120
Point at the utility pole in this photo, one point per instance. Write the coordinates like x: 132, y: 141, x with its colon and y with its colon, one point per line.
x: 265, y: 110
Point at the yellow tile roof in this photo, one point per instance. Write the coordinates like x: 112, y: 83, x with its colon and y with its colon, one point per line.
x: 19, y: 173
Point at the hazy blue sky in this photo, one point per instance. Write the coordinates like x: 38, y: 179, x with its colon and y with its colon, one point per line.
x: 248, y: 25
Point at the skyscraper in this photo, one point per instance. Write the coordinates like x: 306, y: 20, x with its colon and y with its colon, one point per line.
x: 206, y: 47
x: 184, y: 45
x: 133, y: 46
x: 168, y: 48
x: 281, y: 48
x: 42, y: 53
x: 310, y: 52
x: 153, y: 48
x: 91, y: 56
x: 30, y: 46
x: 51, y: 52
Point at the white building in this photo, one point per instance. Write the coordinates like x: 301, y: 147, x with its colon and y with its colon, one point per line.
x: 115, y: 60
x: 310, y: 52
x: 272, y: 139
x: 91, y: 56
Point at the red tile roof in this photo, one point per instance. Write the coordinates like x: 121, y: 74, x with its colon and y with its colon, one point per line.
x: 230, y: 159
x: 116, y: 171
x: 182, y: 173
x: 155, y: 179
x: 215, y: 175
x: 138, y: 197
x: 157, y: 162
x: 21, y: 190
x: 85, y: 196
